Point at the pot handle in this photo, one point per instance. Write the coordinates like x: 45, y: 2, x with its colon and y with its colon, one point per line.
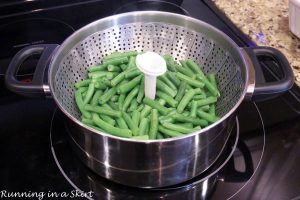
x: 264, y: 90
x: 38, y: 87
x: 229, y: 173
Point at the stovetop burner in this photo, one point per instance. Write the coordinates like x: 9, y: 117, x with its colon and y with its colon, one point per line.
x: 145, y: 5
x: 83, y: 179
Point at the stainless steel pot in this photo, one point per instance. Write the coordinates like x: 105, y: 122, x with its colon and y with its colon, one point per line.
x: 153, y: 163
x: 200, y: 187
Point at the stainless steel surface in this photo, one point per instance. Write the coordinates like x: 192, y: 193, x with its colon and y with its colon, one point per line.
x: 198, y: 188
x: 251, y: 71
x: 153, y: 163
x: 145, y: 164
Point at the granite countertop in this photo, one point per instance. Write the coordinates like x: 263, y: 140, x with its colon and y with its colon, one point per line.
x: 267, y: 24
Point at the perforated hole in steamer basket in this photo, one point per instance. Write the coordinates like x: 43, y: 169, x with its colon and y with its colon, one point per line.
x: 162, y: 38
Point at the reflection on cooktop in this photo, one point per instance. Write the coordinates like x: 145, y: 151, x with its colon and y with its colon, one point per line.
x: 153, y: 5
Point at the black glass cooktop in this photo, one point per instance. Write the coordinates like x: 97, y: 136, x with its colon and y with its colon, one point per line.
x: 264, y: 166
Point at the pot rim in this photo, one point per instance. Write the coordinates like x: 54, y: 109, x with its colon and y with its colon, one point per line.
x: 149, y: 13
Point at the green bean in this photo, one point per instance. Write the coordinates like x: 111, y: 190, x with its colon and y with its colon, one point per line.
x: 111, y: 129
x: 82, y: 89
x: 87, y: 121
x: 162, y: 102
x: 194, y: 109
x: 113, y: 68
x: 189, y: 87
x: 95, y: 127
x: 141, y: 92
x: 108, y: 119
x: 83, y: 94
x: 129, y: 98
x: 181, y: 91
x: 133, y: 126
x: 214, y: 91
x: 107, y: 106
x: 140, y: 137
x: 178, y: 128
x: 212, y: 80
x: 208, y: 117
x: 79, y: 102
x: 111, y: 75
x: 97, y: 74
x: 140, y: 108
x: 199, y: 96
x: 113, y: 105
x: 130, y: 85
x: 190, y: 81
x: 212, y: 109
x: 173, y: 78
x: 170, y: 114
x: 188, y: 119
x: 172, y: 102
x: 136, y: 117
x: 184, y: 65
x: 89, y: 93
x: 159, y: 136
x: 82, y: 83
x: 116, y: 61
x: 185, y: 100
x: 122, y: 83
x: 146, y: 111
x: 170, y: 62
x: 97, y: 68
x: 208, y: 100
x: 121, y: 101
x: 123, y: 67
x: 185, y: 71
x: 114, y: 98
x: 121, y: 123
x: 107, y: 95
x: 153, y: 124
x: 194, y: 67
x: 204, y: 108
x: 132, y: 73
x: 144, y: 126
x: 131, y: 63
x: 168, y: 82
x: 120, y: 54
x: 103, y: 110
x: 133, y: 105
x: 186, y: 113
x: 115, y: 81
x: 167, y: 119
x: 96, y: 97
x: 155, y: 105
x: 186, y: 125
x: 169, y: 132
x: 199, y: 91
x: 100, y: 85
x: 165, y: 88
x: 106, y: 82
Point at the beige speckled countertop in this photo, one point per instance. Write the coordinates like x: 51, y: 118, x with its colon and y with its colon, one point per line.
x: 267, y: 24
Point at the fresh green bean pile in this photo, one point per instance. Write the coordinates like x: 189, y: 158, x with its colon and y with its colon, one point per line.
x: 112, y: 99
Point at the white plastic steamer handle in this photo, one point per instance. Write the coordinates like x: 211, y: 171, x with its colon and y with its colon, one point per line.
x: 152, y: 65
